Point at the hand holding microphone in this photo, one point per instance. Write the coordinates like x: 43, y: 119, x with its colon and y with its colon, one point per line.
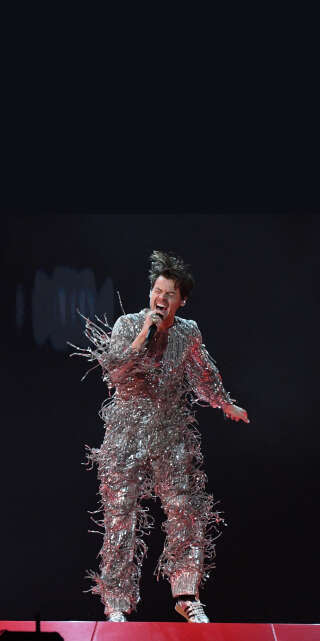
x: 153, y: 320
x: 150, y: 326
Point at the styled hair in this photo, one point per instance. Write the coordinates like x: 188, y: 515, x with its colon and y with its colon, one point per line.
x: 171, y: 266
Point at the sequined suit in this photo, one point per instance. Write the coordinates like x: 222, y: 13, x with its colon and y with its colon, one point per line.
x: 152, y: 448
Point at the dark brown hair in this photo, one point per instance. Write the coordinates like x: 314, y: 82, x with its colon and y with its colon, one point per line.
x: 171, y: 266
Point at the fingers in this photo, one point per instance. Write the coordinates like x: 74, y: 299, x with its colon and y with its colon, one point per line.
x: 235, y: 418
x: 238, y: 414
x: 155, y: 317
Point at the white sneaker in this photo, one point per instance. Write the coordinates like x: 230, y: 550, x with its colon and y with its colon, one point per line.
x: 192, y: 611
x: 115, y: 616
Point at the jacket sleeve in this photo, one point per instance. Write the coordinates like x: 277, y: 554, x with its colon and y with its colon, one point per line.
x: 203, y: 375
x: 122, y: 360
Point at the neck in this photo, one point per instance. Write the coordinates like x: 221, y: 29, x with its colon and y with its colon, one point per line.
x: 166, y: 325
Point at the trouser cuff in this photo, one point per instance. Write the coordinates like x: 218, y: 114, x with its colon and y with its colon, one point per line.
x: 117, y: 603
x: 185, y: 583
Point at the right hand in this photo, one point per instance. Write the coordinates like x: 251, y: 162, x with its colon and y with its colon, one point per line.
x: 152, y: 318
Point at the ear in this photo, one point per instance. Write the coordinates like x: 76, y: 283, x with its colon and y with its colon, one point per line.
x: 183, y: 302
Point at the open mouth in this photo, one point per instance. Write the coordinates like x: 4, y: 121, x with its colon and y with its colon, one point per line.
x: 161, y: 308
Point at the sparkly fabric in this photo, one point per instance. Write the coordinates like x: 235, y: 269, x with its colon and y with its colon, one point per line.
x: 152, y: 448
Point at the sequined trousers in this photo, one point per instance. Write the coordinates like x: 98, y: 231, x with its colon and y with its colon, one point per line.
x: 151, y: 449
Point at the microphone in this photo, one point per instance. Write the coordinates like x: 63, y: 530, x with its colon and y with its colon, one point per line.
x: 152, y: 330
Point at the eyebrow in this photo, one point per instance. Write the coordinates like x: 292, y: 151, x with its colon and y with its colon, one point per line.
x: 170, y: 291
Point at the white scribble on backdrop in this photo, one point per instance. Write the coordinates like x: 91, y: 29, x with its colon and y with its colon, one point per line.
x: 55, y: 301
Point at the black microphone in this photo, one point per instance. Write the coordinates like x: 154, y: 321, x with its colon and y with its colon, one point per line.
x: 152, y: 330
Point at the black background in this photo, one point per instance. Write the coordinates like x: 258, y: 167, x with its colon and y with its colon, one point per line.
x: 256, y: 301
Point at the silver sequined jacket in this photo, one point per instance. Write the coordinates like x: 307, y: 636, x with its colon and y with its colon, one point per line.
x: 167, y: 370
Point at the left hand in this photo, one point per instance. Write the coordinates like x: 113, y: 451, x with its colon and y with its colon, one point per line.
x: 236, y: 413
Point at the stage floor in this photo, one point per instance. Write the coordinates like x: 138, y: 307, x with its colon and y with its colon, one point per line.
x: 103, y: 631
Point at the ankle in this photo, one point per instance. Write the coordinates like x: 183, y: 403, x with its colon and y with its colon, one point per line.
x: 185, y: 597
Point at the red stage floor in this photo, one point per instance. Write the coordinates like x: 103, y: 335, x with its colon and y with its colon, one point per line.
x: 103, y: 631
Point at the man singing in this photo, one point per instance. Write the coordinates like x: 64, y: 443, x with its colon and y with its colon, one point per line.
x: 152, y: 447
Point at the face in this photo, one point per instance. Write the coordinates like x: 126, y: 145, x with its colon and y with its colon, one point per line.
x: 165, y: 298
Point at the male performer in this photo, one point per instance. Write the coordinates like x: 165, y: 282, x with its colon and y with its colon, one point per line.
x: 151, y: 447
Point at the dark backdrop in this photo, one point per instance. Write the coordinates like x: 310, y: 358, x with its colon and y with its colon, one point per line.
x: 257, y: 303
